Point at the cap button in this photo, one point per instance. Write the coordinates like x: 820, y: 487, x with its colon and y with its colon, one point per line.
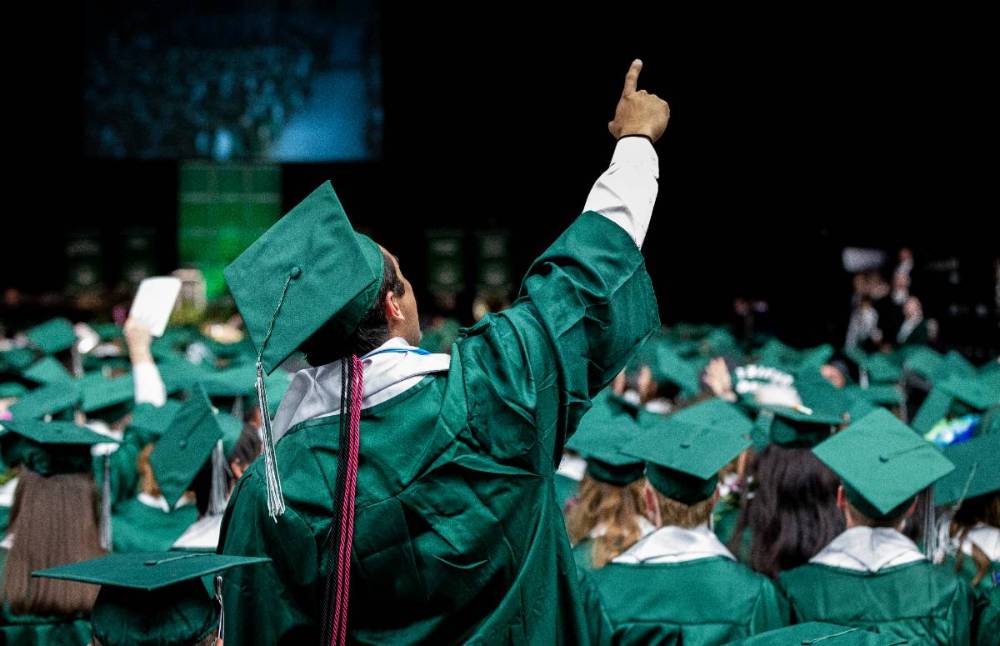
x: 183, y: 444
x: 295, y: 272
x: 685, y: 445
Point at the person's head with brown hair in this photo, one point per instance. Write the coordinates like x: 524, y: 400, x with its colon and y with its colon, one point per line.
x: 54, y: 517
x: 674, y: 513
x: 972, y: 512
x: 610, y: 514
x: 54, y: 521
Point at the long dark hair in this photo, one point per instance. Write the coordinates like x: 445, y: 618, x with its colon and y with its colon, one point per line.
x: 324, y: 347
x: 793, y: 513
x: 54, y: 521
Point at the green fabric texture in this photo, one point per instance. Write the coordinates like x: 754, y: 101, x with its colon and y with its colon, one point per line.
x: 704, y: 601
x: 819, y: 634
x: 184, y: 449
x: 331, y: 274
x: 52, y: 336
x: 137, y: 527
x: 461, y: 538
x: 916, y: 601
x: 882, y: 462
x: 15, y: 360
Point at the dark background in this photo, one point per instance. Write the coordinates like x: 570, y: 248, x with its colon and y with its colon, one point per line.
x: 791, y: 136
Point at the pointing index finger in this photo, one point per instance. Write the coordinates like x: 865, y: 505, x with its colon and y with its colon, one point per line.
x: 632, y: 78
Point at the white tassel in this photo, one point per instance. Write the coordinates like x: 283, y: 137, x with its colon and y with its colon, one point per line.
x: 275, y: 496
x: 218, y: 493
x: 106, y: 505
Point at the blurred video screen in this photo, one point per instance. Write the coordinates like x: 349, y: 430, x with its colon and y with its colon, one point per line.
x: 229, y: 81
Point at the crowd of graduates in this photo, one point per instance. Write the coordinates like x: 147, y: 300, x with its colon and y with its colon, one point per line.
x: 713, y: 492
x: 716, y: 492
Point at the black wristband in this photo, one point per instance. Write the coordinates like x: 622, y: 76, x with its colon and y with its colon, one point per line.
x: 646, y: 137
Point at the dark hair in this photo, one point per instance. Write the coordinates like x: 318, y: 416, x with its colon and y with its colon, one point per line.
x: 323, y: 347
x: 54, y: 521
x: 981, y: 509
x: 793, y: 513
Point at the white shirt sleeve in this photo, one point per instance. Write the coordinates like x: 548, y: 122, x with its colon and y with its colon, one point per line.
x: 149, y: 388
x: 626, y: 192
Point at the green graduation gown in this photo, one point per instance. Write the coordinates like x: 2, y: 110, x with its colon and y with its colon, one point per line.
x: 916, y: 601
x: 696, y: 599
x: 988, y: 626
x: 139, y: 527
x: 459, y: 536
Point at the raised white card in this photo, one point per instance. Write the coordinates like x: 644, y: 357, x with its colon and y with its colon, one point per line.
x: 154, y: 301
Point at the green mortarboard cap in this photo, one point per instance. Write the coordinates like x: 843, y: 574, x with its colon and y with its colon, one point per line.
x: 52, y: 336
x: 721, y: 341
x: 47, y: 370
x: 231, y: 382
x: 229, y: 350
x: 185, y: 447
x: 881, y: 369
x: 977, y: 470
x: 180, y: 374
x: 819, y: 394
x: 882, y: 394
x: 956, y: 364
x: 796, y: 427
x: 670, y: 367
x: 955, y: 392
x: 16, y: 360
x: 107, y: 397
x: 882, y: 463
x: 151, y: 598
x: 153, y: 421
x: 786, y: 357
x: 816, y: 633
x: 714, y: 412
x: 924, y: 361
x: 231, y: 429
x: 601, y: 433
x: 309, y: 269
x: 51, y: 399
x: 12, y: 389
x: 684, y: 459
x: 50, y: 448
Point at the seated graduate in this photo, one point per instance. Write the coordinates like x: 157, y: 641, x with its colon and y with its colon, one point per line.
x: 151, y: 599
x: 871, y: 575
x: 790, y: 511
x: 680, y: 584
x: 610, y: 512
x: 54, y: 519
x: 969, y: 540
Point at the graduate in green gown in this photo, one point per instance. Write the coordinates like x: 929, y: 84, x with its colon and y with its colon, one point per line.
x: 872, y: 576
x: 610, y: 512
x: 152, y: 598
x: 54, y: 520
x: 680, y: 584
x: 969, y: 540
x: 456, y: 533
x: 790, y: 511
